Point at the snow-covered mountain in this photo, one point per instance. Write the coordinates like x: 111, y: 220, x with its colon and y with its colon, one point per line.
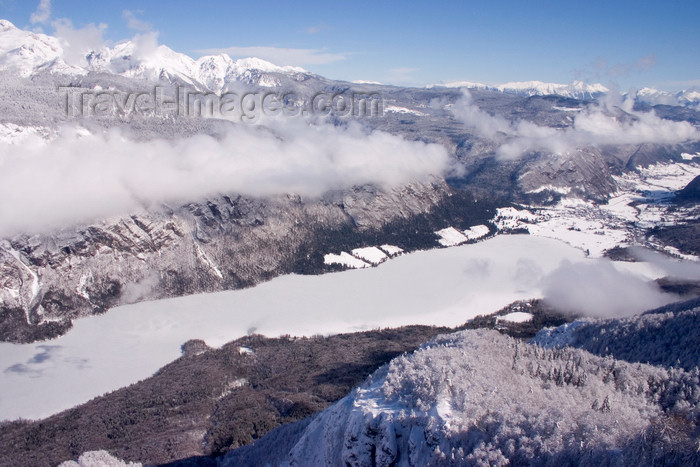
x: 575, y: 90
x: 212, y: 72
x: 651, y: 96
x: 580, y: 90
x: 29, y: 53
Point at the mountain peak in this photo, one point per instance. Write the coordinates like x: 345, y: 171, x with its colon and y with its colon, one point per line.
x: 6, y: 25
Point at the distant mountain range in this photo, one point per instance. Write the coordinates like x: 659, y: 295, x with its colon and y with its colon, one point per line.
x: 29, y: 52
x: 575, y: 90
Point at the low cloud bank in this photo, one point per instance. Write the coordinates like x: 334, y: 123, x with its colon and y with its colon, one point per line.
x: 599, y: 290
x: 675, y: 269
x: 599, y: 124
x: 77, y: 178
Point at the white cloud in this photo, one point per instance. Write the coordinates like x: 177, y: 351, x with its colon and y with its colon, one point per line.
x: 145, y: 44
x: 600, y: 124
x: 42, y: 13
x: 281, y: 56
x: 70, y: 179
x: 675, y: 269
x: 135, y: 23
x: 78, y: 42
x: 599, y: 290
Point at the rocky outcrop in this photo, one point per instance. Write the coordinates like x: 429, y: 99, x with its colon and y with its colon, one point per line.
x: 223, y: 243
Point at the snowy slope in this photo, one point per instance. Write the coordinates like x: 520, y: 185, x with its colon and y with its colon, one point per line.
x: 481, y: 398
x: 27, y: 52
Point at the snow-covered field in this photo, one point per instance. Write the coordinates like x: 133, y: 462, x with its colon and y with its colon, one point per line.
x: 363, y: 257
x: 640, y: 203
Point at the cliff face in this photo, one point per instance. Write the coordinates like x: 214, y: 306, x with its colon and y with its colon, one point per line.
x: 222, y: 243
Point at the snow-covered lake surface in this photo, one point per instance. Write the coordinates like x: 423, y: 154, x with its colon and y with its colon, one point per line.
x: 129, y: 343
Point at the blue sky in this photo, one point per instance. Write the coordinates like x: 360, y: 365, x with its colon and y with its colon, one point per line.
x: 618, y: 43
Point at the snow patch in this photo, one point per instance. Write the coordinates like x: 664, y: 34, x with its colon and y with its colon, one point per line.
x: 516, y: 317
x: 564, y: 190
x: 451, y: 237
x: 370, y: 254
x: 402, y: 110
x: 344, y: 259
x: 98, y: 459
x: 477, y: 231
x: 391, y: 250
x: 204, y: 258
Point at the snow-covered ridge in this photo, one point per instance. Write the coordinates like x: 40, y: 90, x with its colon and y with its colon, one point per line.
x: 651, y: 96
x: 27, y: 53
x: 481, y: 398
x: 577, y: 89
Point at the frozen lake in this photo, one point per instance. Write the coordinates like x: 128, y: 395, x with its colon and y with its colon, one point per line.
x: 129, y: 343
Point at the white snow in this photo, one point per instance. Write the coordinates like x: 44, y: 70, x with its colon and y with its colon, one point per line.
x: 510, y: 218
x: 11, y: 133
x: 391, y: 250
x: 345, y: 259
x: 459, y: 84
x: 640, y: 203
x: 27, y: 52
x: 477, y: 231
x: 402, y: 110
x: 689, y: 157
x: 34, y: 287
x: 560, y: 336
x: 450, y: 237
x: 204, y: 258
x: 98, y: 459
x: 577, y: 89
x: 516, y: 317
x: 564, y: 190
x: 370, y: 254
x: 129, y: 343
x: 245, y: 351
x: 24, y: 52
x: 567, y: 109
